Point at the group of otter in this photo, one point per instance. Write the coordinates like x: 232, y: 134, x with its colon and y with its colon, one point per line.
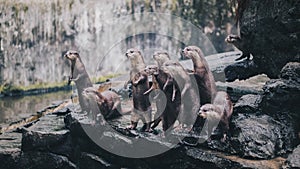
x: 182, y: 95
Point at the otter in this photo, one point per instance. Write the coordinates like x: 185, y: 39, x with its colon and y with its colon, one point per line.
x: 79, y: 76
x: 140, y: 84
x: 204, y: 77
x: 108, y: 102
x: 168, y: 107
x: 82, y: 82
x: 190, y: 101
x: 238, y: 43
x: 219, y: 111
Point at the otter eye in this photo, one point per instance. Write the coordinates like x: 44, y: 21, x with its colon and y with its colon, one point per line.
x: 188, y: 49
x: 131, y: 51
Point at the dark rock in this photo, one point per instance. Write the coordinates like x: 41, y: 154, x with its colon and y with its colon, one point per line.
x: 45, y: 160
x: 293, y: 161
x: 62, y: 112
x: 47, y: 135
x: 291, y: 71
x: 10, y: 144
x: 93, y: 161
x: 248, y: 104
x: 281, y: 98
x: 280, y: 95
x: 268, y: 30
x: 241, y: 70
x: 94, y: 155
x: 211, y: 160
x: 260, y: 136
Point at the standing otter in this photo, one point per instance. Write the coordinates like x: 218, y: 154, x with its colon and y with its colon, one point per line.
x: 168, y: 111
x: 219, y: 111
x: 205, y: 79
x: 79, y: 76
x: 140, y: 84
x: 82, y: 82
x: 190, y: 101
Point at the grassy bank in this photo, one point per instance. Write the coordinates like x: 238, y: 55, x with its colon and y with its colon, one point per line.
x: 15, y: 90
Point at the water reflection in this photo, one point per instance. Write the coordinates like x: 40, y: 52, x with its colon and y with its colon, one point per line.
x: 16, y: 108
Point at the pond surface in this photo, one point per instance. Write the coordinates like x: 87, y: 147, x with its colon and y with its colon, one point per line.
x: 15, y: 108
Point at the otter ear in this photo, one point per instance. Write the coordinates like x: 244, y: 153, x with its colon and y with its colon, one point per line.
x: 139, y: 52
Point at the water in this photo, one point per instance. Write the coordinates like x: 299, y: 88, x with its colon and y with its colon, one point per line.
x: 15, y: 108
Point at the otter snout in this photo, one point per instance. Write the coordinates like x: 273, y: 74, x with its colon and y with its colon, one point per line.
x: 202, y: 114
x: 66, y: 55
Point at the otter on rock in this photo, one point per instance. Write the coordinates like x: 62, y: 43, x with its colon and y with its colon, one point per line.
x: 238, y: 43
x: 106, y: 101
x: 168, y: 102
x: 219, y: 111
x: 190, y: 101
x: 204, y: 77
x: 140, y: 84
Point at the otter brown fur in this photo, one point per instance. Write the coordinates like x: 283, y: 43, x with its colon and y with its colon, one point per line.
x: 190, y: 101
x: 140, y: 84
x: 82, y: 82
x: 219, y: 111
x: 170, y: 109
x: 204, y: 77
x: 78, y: 75
x: 108, y: 102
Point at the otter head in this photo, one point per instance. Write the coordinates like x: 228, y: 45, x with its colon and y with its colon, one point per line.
x: 92, y: 94
x: 192, y: 52
x: 171, y: 67
x: 151, y: 70
x: 232, y: 39
x: 210, y: 111
x: 161, y: 57
x: 135, y: 56
x: 72, y: 55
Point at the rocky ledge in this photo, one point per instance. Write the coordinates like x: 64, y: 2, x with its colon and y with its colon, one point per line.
x: 264, y: 134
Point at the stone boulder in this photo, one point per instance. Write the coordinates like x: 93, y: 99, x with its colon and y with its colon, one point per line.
x: 293, y: 160
x: 260, y: 136
x: 269, y: 31
x: 248, y: 103
x: 178, y: 156
x: 281, y: 97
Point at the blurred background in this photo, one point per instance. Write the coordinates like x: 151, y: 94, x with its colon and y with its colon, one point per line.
x: 35, y: 34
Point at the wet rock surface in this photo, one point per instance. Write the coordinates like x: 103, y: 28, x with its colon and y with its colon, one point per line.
x: 293, y: 160
x: 248, y: 104
x: 259, y: 136
x: 241, y: 70
x: 266, y: 125
x: 62, y: 142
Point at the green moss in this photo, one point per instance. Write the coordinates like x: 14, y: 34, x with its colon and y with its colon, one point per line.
x: 11, y: 89
x: 104, y: 78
